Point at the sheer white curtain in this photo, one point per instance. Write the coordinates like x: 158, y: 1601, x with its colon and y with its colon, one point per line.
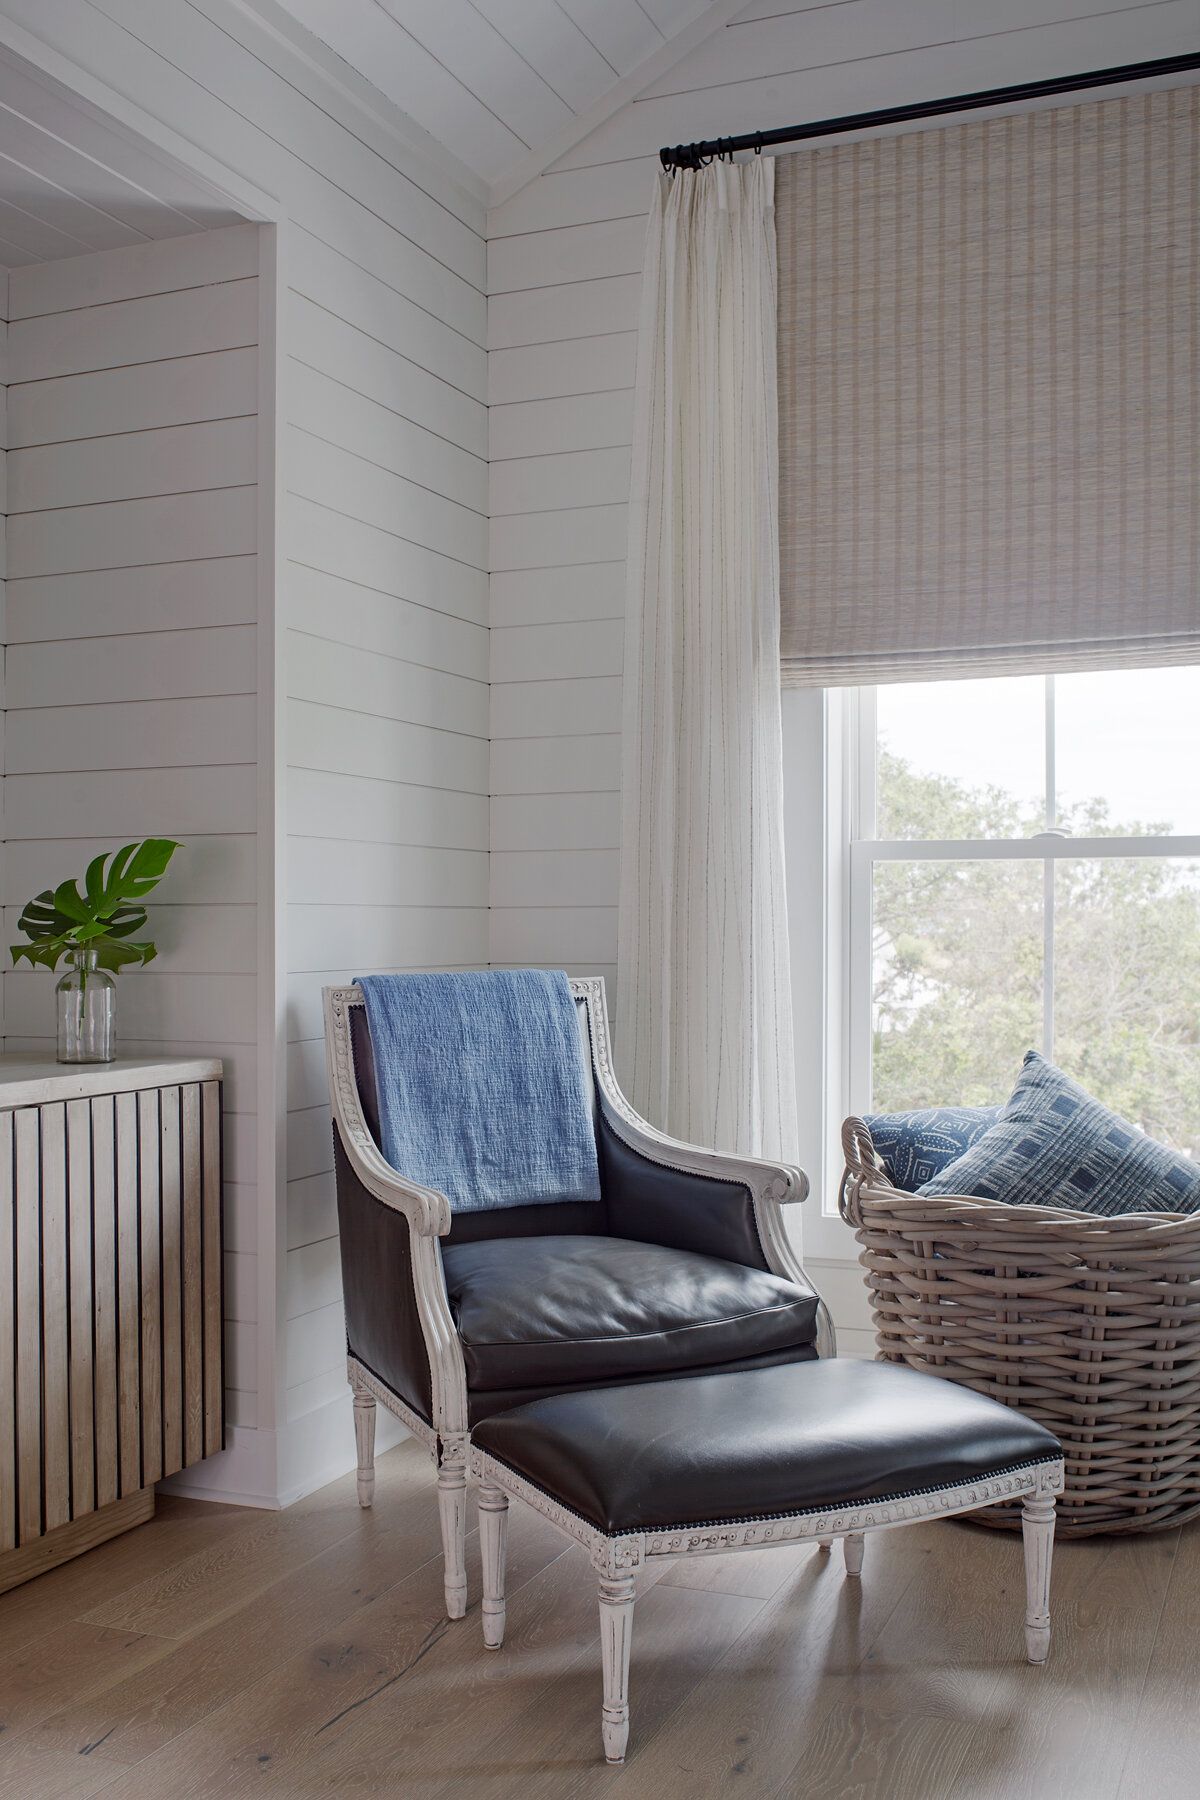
x: 704, y: 1023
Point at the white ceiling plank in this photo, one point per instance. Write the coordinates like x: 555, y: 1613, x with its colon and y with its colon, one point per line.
x: 486, y: 64
x: 541, y: 32
x: 672, y: 15
x: 91, y: 226
x: 136, y: 214
x: 31, y: 233
x: 13, y: 257
x: 48, y: 107
x: 835, y: 34
x: 371, y: 41
x: 622, y: 32
x: 506, y: 86
x: 714, y: 17
x: 268, y: 29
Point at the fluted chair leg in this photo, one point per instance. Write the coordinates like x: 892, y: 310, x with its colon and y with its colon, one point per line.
x: 364, y: 1437
x: 493, y: 1545
x: 616, y: 1635
x: 1037, y: 1531
x: 853, y: 1545
x: 452, y: 1509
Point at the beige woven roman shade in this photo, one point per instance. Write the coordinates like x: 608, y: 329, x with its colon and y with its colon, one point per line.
x: 989, y: 372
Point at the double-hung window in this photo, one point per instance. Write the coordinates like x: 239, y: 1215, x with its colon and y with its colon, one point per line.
x: 1009, y: 864
x: 1024, y: 872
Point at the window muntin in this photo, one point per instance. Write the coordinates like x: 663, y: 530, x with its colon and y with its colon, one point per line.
x: 1020, y: 877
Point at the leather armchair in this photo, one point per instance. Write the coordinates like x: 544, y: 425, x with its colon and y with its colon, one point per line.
x: 683, y: 1267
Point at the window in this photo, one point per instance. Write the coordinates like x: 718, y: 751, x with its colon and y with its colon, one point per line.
x: 1024, y: 871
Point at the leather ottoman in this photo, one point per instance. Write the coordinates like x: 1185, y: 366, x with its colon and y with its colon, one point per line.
x: 745, y: 1460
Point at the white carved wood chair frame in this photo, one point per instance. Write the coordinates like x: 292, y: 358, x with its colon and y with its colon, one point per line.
x: 772, y: 1186
x: 617, y: 1559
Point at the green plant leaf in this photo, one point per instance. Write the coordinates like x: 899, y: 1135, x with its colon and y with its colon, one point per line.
x: 104, y: 917
x: 68, y: 902
x: 93, y: 881
x: 114, y: 955
x: 41, y: 919
x: 46, y: 954
x: 133, y: 871
x: 126, y: 920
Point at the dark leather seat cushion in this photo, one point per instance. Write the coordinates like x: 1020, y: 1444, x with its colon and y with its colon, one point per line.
x: 719, y: 1448
x: 559, y: 1311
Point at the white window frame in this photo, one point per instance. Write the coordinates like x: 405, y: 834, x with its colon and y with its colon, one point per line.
x: 831, y: 852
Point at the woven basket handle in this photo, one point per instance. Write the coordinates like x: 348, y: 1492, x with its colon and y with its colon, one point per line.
x: 863, y: 1169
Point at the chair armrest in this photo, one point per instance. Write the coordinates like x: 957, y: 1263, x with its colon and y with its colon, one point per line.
x: 784, y: 1183
x: 742, y: 1220
x: 425, y: 1211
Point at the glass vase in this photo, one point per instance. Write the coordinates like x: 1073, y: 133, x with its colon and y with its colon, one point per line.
x: 87, y: 1011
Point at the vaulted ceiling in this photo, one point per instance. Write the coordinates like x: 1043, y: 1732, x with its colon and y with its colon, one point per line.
x: 506, y: 85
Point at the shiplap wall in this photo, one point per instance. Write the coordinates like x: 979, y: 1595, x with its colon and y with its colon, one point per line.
x: 131, y: 666
x: 564, y: 261
x: 382, y: 597
x: 3, y: 572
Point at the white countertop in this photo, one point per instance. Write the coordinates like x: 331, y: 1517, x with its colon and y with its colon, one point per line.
x: 31, y: 1081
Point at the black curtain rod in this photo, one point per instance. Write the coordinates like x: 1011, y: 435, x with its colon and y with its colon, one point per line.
x: 695, y: 156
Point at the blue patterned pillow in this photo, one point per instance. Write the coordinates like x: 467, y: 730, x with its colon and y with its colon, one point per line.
x: 1054, y: 1145
x: 916, y: 1146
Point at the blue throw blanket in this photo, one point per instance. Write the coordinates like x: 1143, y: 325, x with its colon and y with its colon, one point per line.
x: 481, y: 1087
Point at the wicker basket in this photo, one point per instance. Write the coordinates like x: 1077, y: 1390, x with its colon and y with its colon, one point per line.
x: 1090, y: 1324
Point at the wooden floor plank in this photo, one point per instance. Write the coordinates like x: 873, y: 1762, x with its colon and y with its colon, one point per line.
x: 136, y: 1716
x: 756, y: 1573
x: 70, y: 1661
x: 1066, y: 1725
x: 274, y: 1729
x: 30, y: 1770
x: 228, y: 1573
x: 179, y: 1529
x: 1161, y: 1754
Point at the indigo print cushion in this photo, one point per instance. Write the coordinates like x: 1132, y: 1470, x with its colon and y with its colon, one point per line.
x: 1054, y: 1145
x: 916, y: 1146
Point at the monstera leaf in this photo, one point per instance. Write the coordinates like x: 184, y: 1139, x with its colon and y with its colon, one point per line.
x: 104, y: 917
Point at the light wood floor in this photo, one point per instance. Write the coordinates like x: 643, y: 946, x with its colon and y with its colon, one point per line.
x: 221, y: 1651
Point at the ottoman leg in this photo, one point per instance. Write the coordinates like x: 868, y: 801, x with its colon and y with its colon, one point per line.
x: 616, y: 1633
x: 1037, y: 1530
x: 493, y: 1543
x: 364, y: 1437
x: 853, y: 1545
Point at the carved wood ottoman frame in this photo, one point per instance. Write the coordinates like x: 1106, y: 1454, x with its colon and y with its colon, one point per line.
x: 617, y: 1559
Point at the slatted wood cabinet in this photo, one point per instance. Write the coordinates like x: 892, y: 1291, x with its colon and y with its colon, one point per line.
x: 110, y: 1297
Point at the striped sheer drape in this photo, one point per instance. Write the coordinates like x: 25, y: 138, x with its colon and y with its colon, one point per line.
x: 990, y: 395
x: 704, y: 1026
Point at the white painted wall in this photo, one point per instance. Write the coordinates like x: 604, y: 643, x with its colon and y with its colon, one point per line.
x: 564, y: 261
x: 372, y: 715
x: 131, y: 659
